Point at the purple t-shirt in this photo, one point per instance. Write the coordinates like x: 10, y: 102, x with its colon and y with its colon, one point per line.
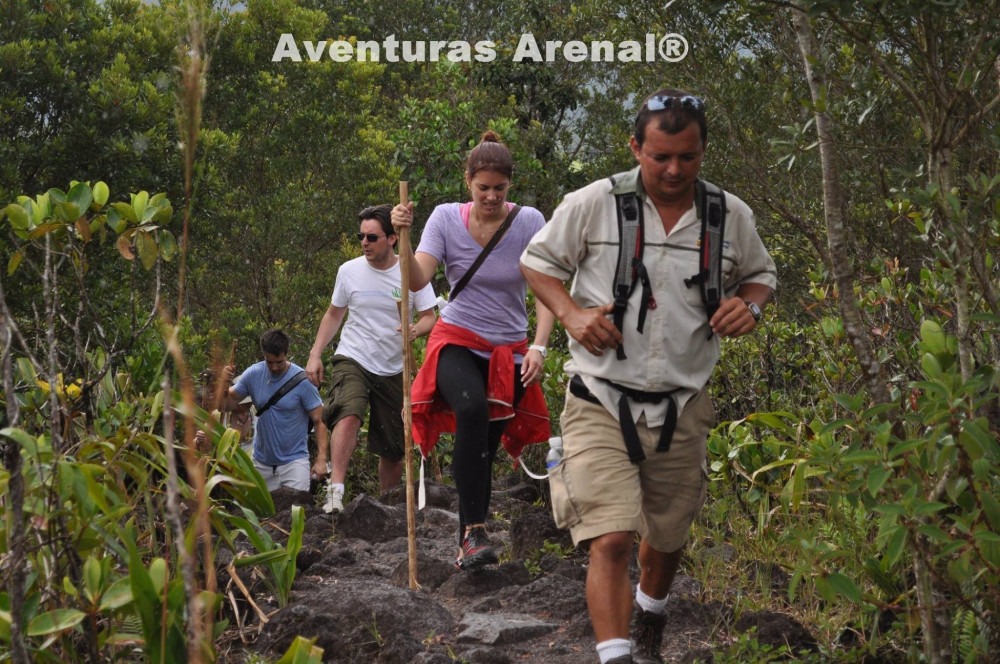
x: 492, y: 303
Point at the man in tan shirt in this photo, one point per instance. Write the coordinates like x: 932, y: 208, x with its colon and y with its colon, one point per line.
x: 606, y: 489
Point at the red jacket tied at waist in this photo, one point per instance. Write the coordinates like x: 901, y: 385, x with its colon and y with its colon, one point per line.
x: 529, y: 422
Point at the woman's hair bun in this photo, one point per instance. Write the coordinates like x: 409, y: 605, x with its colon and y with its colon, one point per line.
x: 490, y: 136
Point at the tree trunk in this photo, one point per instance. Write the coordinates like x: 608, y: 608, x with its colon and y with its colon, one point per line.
x: 833, y: 205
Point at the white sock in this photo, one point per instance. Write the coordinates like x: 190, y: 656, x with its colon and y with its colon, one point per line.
x: 338, y: 486
x: 647, y: 603
x: 613, y: 648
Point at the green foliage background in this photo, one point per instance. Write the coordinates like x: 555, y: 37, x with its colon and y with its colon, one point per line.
x: 871, y: 506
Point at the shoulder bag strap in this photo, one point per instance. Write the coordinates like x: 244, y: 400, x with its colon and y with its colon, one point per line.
x: 282, y: 391
x: 484, y: 253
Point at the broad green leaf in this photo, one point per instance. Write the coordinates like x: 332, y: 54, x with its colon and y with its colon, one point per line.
x: 52, y: 622
x: 139, y: 203
x: 929, y: 508
x: 14, y: 262
x: 851, y: 402
x: 41, y: 209
x: 163, y: 214
x: 933, y: 336
x: 934, y: 533
x: 18, y: 216
x: 983, y: 535
x: 877, y: 476
x: 844, y: 586
x: 931, y: 366
x: 115, y: 220
x: 119, y: 594
x: 81, y: 196
x: 302, y: 651
x: 158, y: 574
x: 862, y: 457
x: 56, y: 196
x: 92, y: 577
x: 769, y: 419
x: 101, y: 193
x: 146, y: 246
x: 836, y: 425
x: 22, y: 438
x: 68, y: 212
x: 991, y: 508
x: 126, y: 211
x: 167, y: 243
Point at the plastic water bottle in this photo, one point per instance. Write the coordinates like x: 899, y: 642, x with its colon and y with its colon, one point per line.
x: 555, y: 452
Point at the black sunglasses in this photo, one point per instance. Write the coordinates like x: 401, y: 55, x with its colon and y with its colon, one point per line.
x: 371, y: 237
x: 664, y: 102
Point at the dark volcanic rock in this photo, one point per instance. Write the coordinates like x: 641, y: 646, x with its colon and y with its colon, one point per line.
x: 486, y: 581
x: 495, y: 629
x: 431, y: 571
x: 525, y: 492
x: 555, y: 596
x: 285, y: 497
x: 369, y: 519
x: 353, y: 621
x: 437, y: 495
x: 776, y: 629
x: 529, y: 532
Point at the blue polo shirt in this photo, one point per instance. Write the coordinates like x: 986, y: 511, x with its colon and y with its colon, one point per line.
x: 282, y: 434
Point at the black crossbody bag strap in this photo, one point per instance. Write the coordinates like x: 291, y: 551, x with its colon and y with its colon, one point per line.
x: 484, y: 253
x: 282, y: 391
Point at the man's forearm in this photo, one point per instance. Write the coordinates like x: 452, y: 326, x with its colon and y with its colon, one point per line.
x: 551, y: 292
x: 759, y: 294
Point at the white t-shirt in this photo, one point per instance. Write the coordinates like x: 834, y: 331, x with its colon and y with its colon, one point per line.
x: 369, y: 335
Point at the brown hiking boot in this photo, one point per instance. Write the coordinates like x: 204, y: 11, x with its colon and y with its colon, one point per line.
x: 647, y: 636
x: 624, y: 659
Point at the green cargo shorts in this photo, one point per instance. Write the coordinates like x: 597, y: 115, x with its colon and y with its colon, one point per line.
x: 355, y: 390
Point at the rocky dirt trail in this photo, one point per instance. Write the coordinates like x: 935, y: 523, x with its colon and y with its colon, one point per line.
x: 352, y: 594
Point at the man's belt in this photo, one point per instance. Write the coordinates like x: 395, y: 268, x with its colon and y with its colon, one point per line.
x: 629, y: 431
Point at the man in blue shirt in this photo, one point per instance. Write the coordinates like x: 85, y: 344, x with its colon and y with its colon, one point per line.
x: 281, y: 442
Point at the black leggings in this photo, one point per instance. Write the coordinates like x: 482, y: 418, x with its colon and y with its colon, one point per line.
x: 461, y: 380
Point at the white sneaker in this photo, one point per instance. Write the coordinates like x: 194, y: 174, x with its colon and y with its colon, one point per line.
x: 334, y: 499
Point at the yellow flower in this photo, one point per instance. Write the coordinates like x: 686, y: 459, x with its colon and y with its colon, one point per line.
x: 63, y: 391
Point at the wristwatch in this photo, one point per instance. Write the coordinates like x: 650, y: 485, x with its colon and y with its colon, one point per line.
x: 754, y: 310
x: 541, y: 349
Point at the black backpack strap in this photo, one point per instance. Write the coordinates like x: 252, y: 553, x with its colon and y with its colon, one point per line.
x: 712, y: 210
x: 629, y: 269
x: 282, y: 391
x: 630, y: 433
x: 494, y: 241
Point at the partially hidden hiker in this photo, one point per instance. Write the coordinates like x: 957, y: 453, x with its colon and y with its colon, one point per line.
x: 367, y: 370
x: 285, y: 403
x: 643, y: 251
x: 480, y: 378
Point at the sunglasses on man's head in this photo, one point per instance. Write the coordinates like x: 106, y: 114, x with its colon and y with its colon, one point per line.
x: 371, y: 237
x: 665, y: 102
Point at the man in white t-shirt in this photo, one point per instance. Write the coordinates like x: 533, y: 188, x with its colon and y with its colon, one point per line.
x: 368, y: 364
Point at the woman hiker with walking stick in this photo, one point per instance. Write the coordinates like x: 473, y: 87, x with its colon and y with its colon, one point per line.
x: 480, y: 377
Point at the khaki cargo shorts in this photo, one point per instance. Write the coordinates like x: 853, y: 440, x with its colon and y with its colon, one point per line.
x: 353, y: 391
x: 596, y: 490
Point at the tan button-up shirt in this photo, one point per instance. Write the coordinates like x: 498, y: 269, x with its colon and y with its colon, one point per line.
x: 674, y: 352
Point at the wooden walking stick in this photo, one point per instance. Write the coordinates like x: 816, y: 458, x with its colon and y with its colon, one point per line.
x: 404, y: 314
